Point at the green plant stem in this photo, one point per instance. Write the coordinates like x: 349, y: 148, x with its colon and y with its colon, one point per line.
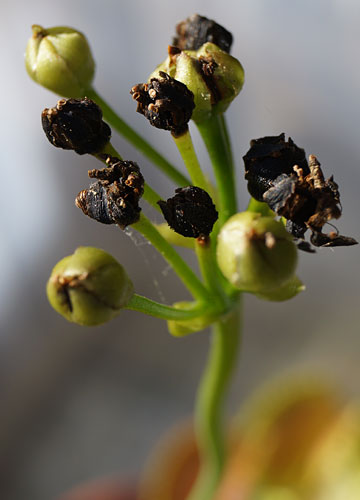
x: 209, y: 425
x: 108, y: 149
x: 152, y: 197
x: 153, y: 308
x: 216, y: 143
x: 210, y: 271
x: 223, y: 124
x: 186, y: 148
x: 185, y: 273
x: 260, y: 207
x: 136, y: 140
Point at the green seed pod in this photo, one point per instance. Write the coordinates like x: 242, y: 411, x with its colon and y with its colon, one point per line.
x: 89, y: 287
x: 213, y: 76
x: 256, y: 254
x: 60, y: 59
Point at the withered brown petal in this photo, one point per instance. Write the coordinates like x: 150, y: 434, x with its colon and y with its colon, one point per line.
x: 197, y: 30
x: 329, y: 240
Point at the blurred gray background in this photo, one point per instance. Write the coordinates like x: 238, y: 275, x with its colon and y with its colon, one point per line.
x: 78, y: 403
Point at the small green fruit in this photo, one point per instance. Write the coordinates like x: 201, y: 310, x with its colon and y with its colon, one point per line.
x: 213, y: 76
x: 89, y: 287
x: 60, y: 59
x: 256, y: 254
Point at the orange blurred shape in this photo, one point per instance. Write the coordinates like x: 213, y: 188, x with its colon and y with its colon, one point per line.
x: 102, y: 489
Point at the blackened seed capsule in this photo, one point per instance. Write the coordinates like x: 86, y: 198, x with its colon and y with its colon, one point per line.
x: 269, y: 157
x: 165, y: 102
x: 191, y: 212
x: 197, y: 30
x: 93, y: 202
x: 76, y: 124
x: 114, y: 197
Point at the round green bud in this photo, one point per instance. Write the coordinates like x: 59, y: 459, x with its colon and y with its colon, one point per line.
x: 256, y: 254
x: 213, y: 76
x: 89, y: 287
x: 179, y: 328
x: 60, y: 59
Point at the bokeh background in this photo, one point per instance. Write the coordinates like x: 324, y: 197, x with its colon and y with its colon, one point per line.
x: 78, y: 403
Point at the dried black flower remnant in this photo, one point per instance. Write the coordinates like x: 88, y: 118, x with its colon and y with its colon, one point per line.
x: 278, y: 174
x: 76, y: 124
x: 308, y: 202
x: 190, y: 212
x: 114, y: 197
x: 269, y: 157
x: 197, y: 30
x: 167, y: 103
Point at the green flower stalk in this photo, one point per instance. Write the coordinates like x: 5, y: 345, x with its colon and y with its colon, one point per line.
x: 60, y: 59
x: 89, y: 287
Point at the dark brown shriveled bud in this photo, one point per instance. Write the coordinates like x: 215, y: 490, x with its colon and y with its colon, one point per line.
x: 190, y: 212
x: 76, y: 124
x: 165, y: 102
x: 197, y: 30
x: 114, y: 197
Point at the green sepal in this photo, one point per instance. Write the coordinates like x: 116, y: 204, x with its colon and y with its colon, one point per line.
x: 284, y: 292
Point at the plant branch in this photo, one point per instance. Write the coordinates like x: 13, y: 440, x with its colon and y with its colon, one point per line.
x: 186, y: 148
x: 153, y: 308
x: 185, y: 273
x: 137, y: 141
x: 217, y: 145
